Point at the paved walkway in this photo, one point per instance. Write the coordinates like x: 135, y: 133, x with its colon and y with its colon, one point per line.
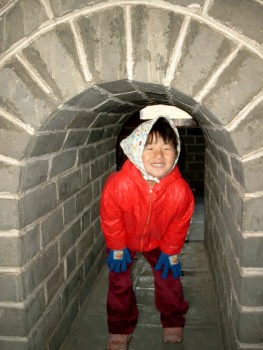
x: 202, y: 332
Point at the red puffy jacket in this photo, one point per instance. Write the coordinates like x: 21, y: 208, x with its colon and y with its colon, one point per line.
x: 141, y: 217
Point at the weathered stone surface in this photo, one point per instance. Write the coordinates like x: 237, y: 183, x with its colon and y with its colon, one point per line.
x: 51, y: 226
x: 9, y: 217
x: 252, y: 218
x: 163, y: 26
x: 69, y: 210
x: 61, y: 7
x: 244, y: 16
x: 84, y: 198
x: 60, y: 119
x: 62, y: 162
x: 69, y: 237
x: 30, y: 15
x: 55, y: 282
x: 11, y: 252
x: 203, y: 52
x: 56, y: 54
x: 83, y: 119
x: 47, y: 143
x: 72, y: 288
x: 37, y: 203
x: 249, y: 131
x: 69, y: 184
x: 33, y: 174
x: 105, y: 44
x: 76, y: 138
x: 10, y: 177
x: 118, y: 87
x: 251, y: 252
x: 9, y: 290
x: 238, y: 84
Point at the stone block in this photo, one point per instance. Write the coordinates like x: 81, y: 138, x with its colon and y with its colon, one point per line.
x: 37, y: 203
x: 84, y: 198
x: 86, y: 219
x: 247, y: 136
x: 10, y: 177
x: 33, y: 174
x: 83, y: 119
x: 61, y: 7
x: 251, y: 291
x: 13, y: 141
x: 105, y: 46
x: 55, y: 282
x: 31, y: 243
x: 72, y: 288
x: 85, y: 243
x: 9, y: 218
x: 252, y: 252
x: 46, y: 326
x: 9, y: 291
x: 60, y: 119
x: 85, y: 174
x: 13, y: 344
x: 69, y: 184
x: 40, y: 268
x: 22, y: 97
x: 71, y: 261
x: 13, y: 322
x: 51, y: 226
x: 96, y: 135
x: 224, y: 160
x: 238, y: 84
x: 106, y: 119
x: 69, y: 210
x: 235, y: 202
x: 62, y: 162
x: 11, y: 254
x: 252, y: 218
x: 118, y: 87
x: 86, y: 154
x: 76, y: 138
x: 245, y: 17
x: 197, y: 62
x: 155, y: 54
x: 247, y: 325
x: 69, y: 237
x: 253, y: 175
x: 88, y: 99
x: 48, y: 143
x: 60, y: 45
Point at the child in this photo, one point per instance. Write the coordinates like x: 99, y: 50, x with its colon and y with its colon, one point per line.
x: 146, y: 207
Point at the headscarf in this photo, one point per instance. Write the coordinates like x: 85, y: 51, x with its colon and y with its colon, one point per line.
x: 133, y: 145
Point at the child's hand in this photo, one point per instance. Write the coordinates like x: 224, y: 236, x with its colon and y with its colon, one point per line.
x: 118, y: 259
x: 169, y: 262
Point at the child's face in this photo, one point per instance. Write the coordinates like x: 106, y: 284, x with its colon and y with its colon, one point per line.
x: 158, y: 157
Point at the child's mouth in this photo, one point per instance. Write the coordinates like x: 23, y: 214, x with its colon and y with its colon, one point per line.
x: 157, y: 165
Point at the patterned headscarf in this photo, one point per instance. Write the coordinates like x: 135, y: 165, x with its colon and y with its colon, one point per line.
x: 133, y: 145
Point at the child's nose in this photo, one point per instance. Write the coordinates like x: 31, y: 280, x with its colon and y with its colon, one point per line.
x: 158, y: 153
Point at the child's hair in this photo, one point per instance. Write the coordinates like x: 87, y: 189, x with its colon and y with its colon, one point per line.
x: 164, y: 129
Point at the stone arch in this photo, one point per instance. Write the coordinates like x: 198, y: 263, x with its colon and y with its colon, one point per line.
x: 69, y: 79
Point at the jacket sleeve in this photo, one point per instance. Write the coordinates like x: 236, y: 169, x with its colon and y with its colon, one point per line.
x: 111, y: 215
x: 174, y: 237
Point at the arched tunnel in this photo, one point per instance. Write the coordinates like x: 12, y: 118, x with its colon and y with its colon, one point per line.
x: 72, y: 73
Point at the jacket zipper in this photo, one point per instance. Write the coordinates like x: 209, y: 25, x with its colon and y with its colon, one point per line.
x: 149, y: 214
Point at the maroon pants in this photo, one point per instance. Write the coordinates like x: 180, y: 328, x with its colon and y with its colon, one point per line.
x: 122, y: 307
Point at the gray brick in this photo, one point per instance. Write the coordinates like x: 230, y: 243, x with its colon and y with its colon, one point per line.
x: 31, y: 17
x: 239, y: 83
x: 252, y: 219
x: 30, y: 103
x: 13, y: 141
x: 86, y: 154
x: 100, y: 40
x: 251, y: 291
x: 96, y: 135
x: 9, y: 290
x: 61, y: 7
x: 64, y: 59
x: 11, y: 252
x: 197, y: 63
x: 106, y: 119
x: 51, y: 226
x: 252, y: 252
x: 69, y: 210
x: 245, y: 16
x: 86, y: 219
x: 71, y: 261
x: 69, y: 184
x: 235, y: 202
x: 48, y: 143
x: 84, y: 198
x: 247, y: 325
x: 35, y: 308
x: 69, y: 237
x: 76, y: 138
x: 10, y: 177
x: 85, y: 243
x: 85, y: 174
x: 72, y: 288
x: 62, y: 162
x: 60, y: 119
x: 88, y: 99
x: 38, y: 203
x: 39, y: 269
x: 33, y: 174
x: 13, y: 322
x: 55, y: 282
x: 9, y: 218
x: 83, y: 119
x: 118, y: 87
x: 31, y: 243
x: 249, y: 131
x: 45, y: 328
x: 13, y: 344
x: 253, y: 175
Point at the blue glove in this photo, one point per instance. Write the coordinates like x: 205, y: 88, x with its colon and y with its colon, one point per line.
x: 118, y: 259
x: 169, y: 262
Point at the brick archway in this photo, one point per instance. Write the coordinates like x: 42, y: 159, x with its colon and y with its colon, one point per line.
x: 68, y: 81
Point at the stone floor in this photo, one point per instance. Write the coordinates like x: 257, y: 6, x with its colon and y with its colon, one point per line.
x: 202, y: 330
